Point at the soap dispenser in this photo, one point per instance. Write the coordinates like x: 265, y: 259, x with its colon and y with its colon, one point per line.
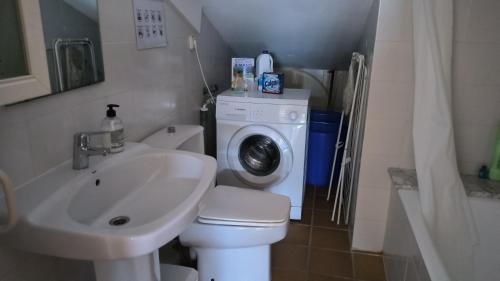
x: 114, y: 125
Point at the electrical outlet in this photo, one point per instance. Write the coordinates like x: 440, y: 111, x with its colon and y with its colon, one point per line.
x: 191, y: 42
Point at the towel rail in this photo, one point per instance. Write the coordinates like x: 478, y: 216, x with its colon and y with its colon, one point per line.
x: 58, y: 43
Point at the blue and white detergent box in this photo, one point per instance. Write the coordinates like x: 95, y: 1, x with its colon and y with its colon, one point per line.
x: 273, y: 83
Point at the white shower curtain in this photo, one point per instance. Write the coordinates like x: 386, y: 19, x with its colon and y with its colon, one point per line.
x: 442, y: 195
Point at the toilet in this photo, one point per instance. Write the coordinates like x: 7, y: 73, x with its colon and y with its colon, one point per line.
x: 235, y: 228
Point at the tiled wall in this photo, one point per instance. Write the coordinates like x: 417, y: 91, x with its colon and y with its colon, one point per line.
x: 387, y: 140
x: 476, y: 87
x: 402, y: 257
x: 154, y: 87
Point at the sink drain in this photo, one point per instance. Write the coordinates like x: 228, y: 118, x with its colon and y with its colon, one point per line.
x: 117, y: 221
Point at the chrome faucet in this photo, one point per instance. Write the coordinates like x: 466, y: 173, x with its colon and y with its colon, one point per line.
x: 82, y: 148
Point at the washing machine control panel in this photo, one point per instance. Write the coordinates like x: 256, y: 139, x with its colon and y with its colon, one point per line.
x: 254, y: 112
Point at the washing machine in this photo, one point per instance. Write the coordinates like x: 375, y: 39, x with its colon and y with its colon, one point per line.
x: 261, y: 142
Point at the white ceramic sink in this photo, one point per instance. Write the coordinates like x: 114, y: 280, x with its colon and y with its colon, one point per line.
x: 67, y: 213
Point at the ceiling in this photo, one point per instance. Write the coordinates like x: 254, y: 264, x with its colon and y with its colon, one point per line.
x: 318, y: 34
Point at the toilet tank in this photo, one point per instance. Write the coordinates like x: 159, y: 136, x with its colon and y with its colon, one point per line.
x: 186, y: 137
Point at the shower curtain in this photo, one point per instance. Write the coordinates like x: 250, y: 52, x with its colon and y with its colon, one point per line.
x: 442, y: 195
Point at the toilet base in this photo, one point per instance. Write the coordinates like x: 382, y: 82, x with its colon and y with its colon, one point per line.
x: 234, y: 264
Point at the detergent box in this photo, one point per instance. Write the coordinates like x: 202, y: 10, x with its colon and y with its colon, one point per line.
x: 242, y: 73
x: 272, y: 83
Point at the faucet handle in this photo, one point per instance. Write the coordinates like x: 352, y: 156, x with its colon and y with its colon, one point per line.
x: 82, y: 148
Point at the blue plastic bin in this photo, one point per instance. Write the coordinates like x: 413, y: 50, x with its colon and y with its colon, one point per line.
x: 323, y: 130
x: 325, y: 116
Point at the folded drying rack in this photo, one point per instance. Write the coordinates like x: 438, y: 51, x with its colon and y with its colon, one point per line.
x: 354, y: 116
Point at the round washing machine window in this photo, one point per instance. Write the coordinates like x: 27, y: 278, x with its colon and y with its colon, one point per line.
x: 259, y: 156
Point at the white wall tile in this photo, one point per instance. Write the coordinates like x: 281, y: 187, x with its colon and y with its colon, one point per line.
x: 119, y: 68
x: 116, y: 21
x: 476, y: 63
x: 88, y: 116
x: 476, y: 105
x: 395, y: 17
x: 368, y: 235
x: 373, y: 170
x: 390, y: 100
x: 50, y: 137
x: 386, y: 137
x: 475, y: 144
x: 16, y: 161
x: 393, y: 61
x: 484, y: 21
x: 372, y: 203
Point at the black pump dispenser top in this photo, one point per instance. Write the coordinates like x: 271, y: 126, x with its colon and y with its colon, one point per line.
x: 111, y: 112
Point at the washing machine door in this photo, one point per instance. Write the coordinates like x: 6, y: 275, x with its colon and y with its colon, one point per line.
x: 259, y: 156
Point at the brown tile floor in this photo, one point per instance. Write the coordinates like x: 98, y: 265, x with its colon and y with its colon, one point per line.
x: 317, y: 249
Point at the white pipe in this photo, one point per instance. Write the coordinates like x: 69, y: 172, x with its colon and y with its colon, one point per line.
x: 195, y: 44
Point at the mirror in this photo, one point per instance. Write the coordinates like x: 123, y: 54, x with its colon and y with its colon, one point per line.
x: 12, y: 54
x: 72, y: 43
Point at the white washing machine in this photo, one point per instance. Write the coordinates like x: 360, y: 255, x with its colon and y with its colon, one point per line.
x: 261, y: 142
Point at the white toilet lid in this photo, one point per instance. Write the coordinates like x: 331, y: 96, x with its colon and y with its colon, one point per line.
x: 229, y: 205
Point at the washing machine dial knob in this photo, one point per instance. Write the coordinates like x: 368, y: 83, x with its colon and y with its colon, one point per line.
x: 293, y: 115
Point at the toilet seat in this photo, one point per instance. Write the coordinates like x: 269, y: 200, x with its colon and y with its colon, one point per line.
x: 227, y: 205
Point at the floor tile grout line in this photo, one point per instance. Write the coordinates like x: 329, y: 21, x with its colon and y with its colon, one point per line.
x: 357, y: 252
x: 285, y: 269
x: 331, y: 228
x: 339, y: 277
x: 332, y: 250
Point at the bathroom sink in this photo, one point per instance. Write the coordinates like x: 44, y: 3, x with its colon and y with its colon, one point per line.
x: 125, y: 205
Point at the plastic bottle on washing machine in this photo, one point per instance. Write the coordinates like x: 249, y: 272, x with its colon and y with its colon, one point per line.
x: 263, y: 64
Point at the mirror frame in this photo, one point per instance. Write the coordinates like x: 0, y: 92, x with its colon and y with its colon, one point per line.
x: 37, y: 82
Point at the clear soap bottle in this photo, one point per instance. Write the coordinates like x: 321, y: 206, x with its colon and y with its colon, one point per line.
x: 114, y: 125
